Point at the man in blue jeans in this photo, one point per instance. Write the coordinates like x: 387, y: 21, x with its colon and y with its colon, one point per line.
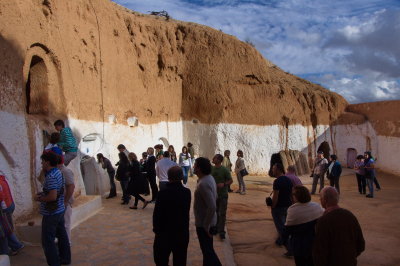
x: 52, y: 208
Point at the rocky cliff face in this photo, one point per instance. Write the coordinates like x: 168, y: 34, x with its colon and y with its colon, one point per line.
x: 89, y: 59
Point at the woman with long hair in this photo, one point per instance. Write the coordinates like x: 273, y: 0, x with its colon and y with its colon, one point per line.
x: 137, y: 184
x: 360, y: 174
x: 172, y: 153
x: 370, y: 176
x: 239, y: 166
x: 185, y: 163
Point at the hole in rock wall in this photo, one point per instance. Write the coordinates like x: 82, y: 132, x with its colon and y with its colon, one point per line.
x: 291, y: 157
x: 37, y: 87
x: 325, y: 148
x: 91, y: 144
x: 351, y: 157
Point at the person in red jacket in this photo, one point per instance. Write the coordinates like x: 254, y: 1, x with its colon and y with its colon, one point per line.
x: 8, y: 207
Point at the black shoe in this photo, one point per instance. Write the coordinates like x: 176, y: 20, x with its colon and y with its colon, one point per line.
x: 230, y: 190
x: 111, y: 196
x: 145, y: 204
x: 369, y: 196
x: 124, y: 203
x: 222, y: 236
x: 288, y: 254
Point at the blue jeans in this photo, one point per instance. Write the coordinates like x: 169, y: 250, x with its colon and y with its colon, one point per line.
x: 370, y: 184
x: 52, y: 227
x: 210, y: 258
x: 3, y: 246
x: 12, y: 239
x: 279, y: 216
x: 124, y: 186
x: 185, y: 170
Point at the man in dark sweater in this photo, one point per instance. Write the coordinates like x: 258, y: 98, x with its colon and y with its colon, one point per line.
x: 171, y: 220
x: 339, y: 239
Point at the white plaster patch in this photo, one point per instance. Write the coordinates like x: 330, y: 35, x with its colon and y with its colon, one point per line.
x: 15, y: 160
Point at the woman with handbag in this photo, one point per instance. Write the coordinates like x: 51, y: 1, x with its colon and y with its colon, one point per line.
x: 138, y: 184
x: 185, y: 162
x: 240, y: 170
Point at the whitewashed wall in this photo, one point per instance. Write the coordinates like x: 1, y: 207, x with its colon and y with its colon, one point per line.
x: 257, y: 142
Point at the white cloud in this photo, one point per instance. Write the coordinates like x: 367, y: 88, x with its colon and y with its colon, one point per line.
x: 355, y: 41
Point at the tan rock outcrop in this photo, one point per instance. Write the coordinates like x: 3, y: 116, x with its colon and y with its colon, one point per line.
x: 91, y: 58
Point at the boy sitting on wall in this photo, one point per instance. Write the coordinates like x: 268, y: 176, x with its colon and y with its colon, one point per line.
x: 67, y: 141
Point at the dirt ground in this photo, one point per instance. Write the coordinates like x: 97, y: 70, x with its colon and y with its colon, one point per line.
x: 252, y: 231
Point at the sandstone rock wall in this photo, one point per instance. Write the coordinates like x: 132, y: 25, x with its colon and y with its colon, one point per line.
x: 97, y: 65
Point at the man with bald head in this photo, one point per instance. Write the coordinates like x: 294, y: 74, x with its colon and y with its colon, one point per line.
x: 339, y: 239
x: 171, y: 220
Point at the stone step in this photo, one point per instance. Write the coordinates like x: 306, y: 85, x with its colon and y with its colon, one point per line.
x: 83, y: 208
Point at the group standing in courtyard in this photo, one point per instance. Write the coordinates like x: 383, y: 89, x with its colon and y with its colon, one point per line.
x: 303, y: 227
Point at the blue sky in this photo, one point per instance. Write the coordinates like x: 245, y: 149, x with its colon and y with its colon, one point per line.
x: 351, y: 47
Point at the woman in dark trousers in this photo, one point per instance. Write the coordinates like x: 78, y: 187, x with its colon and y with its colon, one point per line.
x: 123, y: 175
x: 137, y: 184
x: 334, y: 172
x: 300, y: 224
x: 360, y: 174
x: 370, y: 175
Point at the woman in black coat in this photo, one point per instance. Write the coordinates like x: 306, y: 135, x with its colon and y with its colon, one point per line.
x: 138, y: 183
x: 123, y: 174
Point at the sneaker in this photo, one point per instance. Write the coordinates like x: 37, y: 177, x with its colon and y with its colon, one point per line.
x: 15, y: 252
x: 145, y: 204
x: 242, y: 193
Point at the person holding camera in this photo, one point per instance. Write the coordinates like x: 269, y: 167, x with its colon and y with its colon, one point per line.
x: 52, y: 208
x: 205, y: 198
x: 281, y: 200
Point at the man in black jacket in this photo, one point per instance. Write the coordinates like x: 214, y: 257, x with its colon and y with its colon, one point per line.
x: 151, y: 173
x: 171, y: 220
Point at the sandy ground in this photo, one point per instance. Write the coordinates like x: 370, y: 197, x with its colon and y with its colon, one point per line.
x: 117, y: 235
x: 252, y: 231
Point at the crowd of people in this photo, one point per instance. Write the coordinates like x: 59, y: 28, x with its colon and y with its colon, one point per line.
x: 306, y: 229
x: 314, y: 234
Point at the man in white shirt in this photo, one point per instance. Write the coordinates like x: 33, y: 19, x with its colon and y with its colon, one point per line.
x: 162, y: 168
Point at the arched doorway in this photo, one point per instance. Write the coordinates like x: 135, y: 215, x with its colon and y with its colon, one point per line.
x: 325, y: 148
x: 37, y: 88
x: 351, y: 157
x: 368, y: 143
